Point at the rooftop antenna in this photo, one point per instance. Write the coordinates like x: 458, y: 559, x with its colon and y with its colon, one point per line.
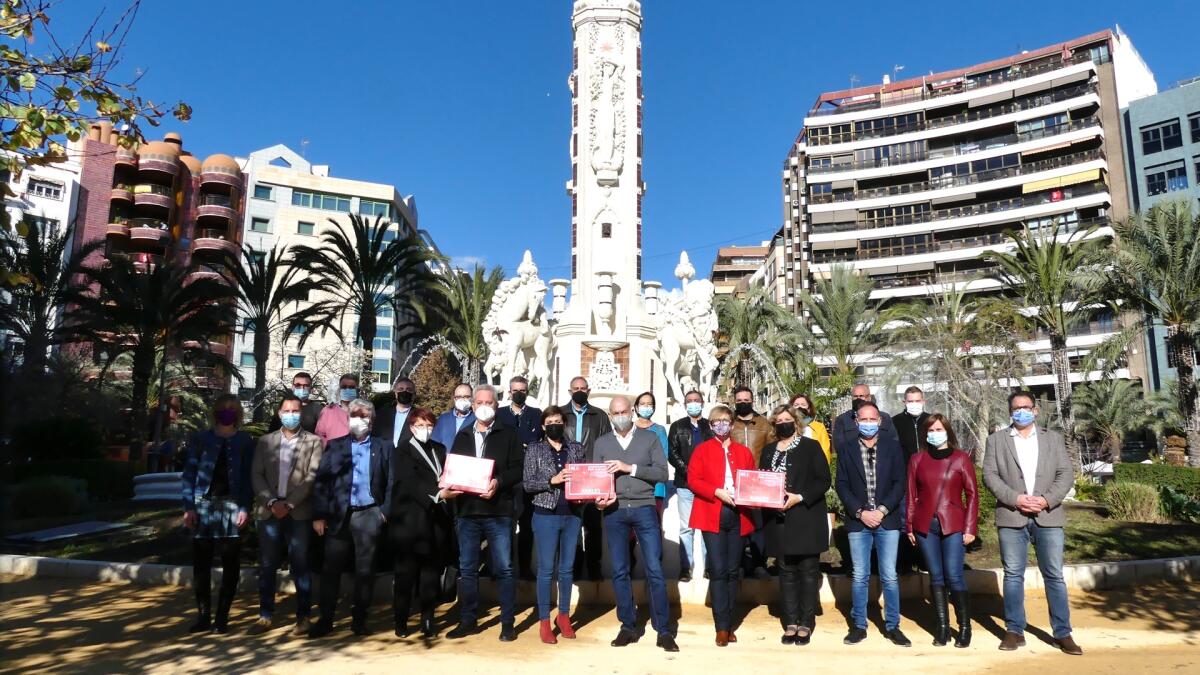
x: 896, y: 72
x: 853, y: 80
x: 304, y: 148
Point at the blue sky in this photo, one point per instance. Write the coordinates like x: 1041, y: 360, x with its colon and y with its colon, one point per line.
x: 464, y: 103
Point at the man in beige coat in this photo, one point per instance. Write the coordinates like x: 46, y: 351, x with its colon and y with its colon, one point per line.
x: 282, y: 475
x: 1029, y: 471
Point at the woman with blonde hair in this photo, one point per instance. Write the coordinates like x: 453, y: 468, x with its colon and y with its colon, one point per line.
x: 813, y: 428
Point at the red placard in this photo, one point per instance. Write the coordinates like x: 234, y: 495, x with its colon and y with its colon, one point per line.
x: 588, y: 482
x: 467, y: 474
x: 763, y: 489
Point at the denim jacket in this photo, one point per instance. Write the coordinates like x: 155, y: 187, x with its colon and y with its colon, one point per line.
x: 203, y: 450
x: 541, y: 466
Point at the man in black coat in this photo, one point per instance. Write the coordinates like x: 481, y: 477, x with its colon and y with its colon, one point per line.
x: 392, y: 419
x: 527, y: 420
x: 845, y: 428
x: 310, y: 410
x: 908, y: 423
x: 584, y: 424
x: 682, y: 438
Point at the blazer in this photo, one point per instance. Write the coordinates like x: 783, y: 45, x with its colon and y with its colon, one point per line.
x: 385, y: 424
x: 951, y: 477
x: 1003, y: 476
x: 804, y: 528
x: 541, y: 465
x: 680, y: 448
x: 331, y: 490
x: 504, y: 448
x: 418, y: 523
x: 845, y: 430
x: 528, y: 425
x: 890, y: 480
x: 706, y: 475
x: 310, y: 412
x: 264, y: 474
x: 204, y: 448
x: 447, y: 427
x: 595, y: 425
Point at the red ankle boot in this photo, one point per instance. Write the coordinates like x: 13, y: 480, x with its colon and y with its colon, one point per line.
x: 564, y: 626
x: 548, y: 633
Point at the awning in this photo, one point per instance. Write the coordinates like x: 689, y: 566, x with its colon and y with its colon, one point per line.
x: 1056, y: 146
x: 1072, y: 179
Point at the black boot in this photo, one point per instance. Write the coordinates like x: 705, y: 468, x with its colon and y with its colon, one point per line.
x: 427, y: 629
x: 941, y: 635
x: 204, y: 615
x: 224, y: 603
x: 962, y: 610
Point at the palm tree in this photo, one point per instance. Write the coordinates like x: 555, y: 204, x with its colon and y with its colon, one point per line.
x: 45, y: 276
x: 140, y: 309
x: 1154, y: 264
x: 469, y: 297
x: 744, y: 322
x: 1045, y: 272
x: 267, y: 287
x: 366, y: 271
x: 843, y: 323
x: 1109, y: 410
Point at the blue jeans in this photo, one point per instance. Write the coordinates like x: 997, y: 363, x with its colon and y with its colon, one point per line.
x: 642, y: 521
x: 687, y: 536
x: 472, y: 531
x: 555, y: 534
x: 943, y: 556
x: 885, y: 543
x: 1014, y: 552
x: 273, y: 535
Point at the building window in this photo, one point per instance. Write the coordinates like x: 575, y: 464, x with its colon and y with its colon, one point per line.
x: 304, y: 227
x: 1166, y: 178
x: 264, y: 192
x: 1194, y: 124
x: 260, y: 225
x: 1161, y: 137
x: 383, y: 338
x: 40, y: 223
x: 247, y: 360
x: 606, y: 230
x: 299, y: 330
x: 45, y: 189
x: 381, y: 370
x: 320, y: 200
x: 295, y: 361
x: 248, y: 325
x: 389, y: 234
x: 369, y: 207
x: 259, y: 257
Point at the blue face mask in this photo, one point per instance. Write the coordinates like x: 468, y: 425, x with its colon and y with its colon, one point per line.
x: 645, y: 412
x: 694, y: 409
x: 349, y: 394
x: 868, y: 429
x: 290, y: 420
x: 302, y: 392
x: 1023, y: 417
x: 936, y: 438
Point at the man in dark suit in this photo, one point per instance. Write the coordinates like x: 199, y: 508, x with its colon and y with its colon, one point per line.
x: 392, y: 420
x: 871, y: 480
x: 310, y: 410
x: 351, y: 497
x: 845, y: 429
x: 527, y: 421
x: 584, y: 424
x: 908, y: 429
x: 487, y: 516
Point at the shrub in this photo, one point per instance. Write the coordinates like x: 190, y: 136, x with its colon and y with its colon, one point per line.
x: 57, y: 438
x: 1182, y: 478
x: 987, y: 500
x: 48, y: 496
x: 1086, y: 490
x: 1134, y: 502
x: 105, y: 480
x: 1178, y: 506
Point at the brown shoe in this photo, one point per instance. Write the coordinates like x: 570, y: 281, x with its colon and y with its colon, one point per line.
x: 732, y: 637
x: 1068, y: 646
x: 722, y: 638
x: 262, y: 625
x: 1011, y: 641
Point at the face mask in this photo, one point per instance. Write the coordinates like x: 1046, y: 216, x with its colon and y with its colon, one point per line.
x: 785, y: 429
x: 915, y: 409
x: 744, y: 409
x: 936, y: 438
x: 518, y: 397
x: 554, y: 432
x: 227, y: 417
x: 579, y: 398
x: 349, y: 393
x: 622, y: 423
x: 808, y: 419
x: 422, y: 434
x: 404, y: 397
x: 359, y: 426
x: 721, y: 428
x: 645, y: 411
x: 868, y: 429
x: 1022, y: 417
x: 485, y: 413
x: 302, y: 393
x: 290, y: 420
x: 694, y: 409
x: 462, y: 405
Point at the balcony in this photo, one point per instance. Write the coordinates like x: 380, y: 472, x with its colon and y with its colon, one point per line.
x: 122, y: 192
x: 126, y: 156
x: 216, y: 206
x: 148, y: 231
x: 154, y: 161
x: 214, y: 243
x: 147, y: 262
x: 151, y: 194
x: 212, y: 346
x: 119, y: 227
x: 220, y: 175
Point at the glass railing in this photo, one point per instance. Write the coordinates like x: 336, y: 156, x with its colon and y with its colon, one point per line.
x: 212, y: 234
x: 152, y: 189
x: 148, y: 224
x: 1036, y: 199
x: 216, y: 200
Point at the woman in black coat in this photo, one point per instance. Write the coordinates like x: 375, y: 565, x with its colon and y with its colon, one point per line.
x: 420, y: 525
x: 798, y: 533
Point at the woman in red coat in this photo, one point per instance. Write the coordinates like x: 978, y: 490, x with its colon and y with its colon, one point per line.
x: 940, y: 480
x: 711, y: 473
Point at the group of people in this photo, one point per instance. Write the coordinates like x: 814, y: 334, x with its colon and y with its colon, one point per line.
x: 363, y: 479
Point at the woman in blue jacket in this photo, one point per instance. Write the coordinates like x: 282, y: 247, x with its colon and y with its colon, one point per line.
x: 217, y: 496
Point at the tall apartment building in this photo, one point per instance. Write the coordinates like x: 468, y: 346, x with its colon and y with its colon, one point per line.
x: 1162, y: 137
x: 291, y: 202
x: 734, y: 265
x: 910, y: 182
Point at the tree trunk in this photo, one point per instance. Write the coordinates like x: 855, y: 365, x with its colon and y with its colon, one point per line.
x: 367, y: 325
x: 143, y: 370
x: 1062, y: 398
x: 262, y: 352
x: 1182, y: 345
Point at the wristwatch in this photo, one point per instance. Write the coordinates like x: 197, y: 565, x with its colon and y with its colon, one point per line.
x: 272, y: 502
x: 858, y: 514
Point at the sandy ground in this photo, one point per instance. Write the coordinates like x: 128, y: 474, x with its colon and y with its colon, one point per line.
x: 65, y: 626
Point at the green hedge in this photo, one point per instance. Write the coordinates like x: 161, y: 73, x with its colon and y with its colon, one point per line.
x: 987, y: 500
x: 1182, y: 478
x: 48, y: 496
x: 106, y: 480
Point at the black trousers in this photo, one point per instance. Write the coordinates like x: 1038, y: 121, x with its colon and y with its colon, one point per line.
x: 523, y: 542
x: 724, y: 551
x: 202, y: 564
x: 420, y: 571
x: 592, y: 542
x: 357, y: 537
x: 799, y: 584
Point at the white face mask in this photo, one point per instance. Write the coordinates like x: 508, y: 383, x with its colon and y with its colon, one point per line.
x: 359, y: 426
x: 485, y: 413
x: 915, y: 409
x: 422, y: 434
x: 462, y: 405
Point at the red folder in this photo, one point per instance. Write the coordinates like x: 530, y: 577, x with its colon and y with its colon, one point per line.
x: 763, y: 489
x: 587, y: 482
x: 467, y: 474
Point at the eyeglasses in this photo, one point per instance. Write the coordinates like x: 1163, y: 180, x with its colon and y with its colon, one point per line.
x: 1023, y: 407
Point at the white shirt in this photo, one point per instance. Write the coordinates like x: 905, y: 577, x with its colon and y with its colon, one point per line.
x: 728, y: 472
x: 287, y: 450
x: 1027, y: 455
x: 624, y: 442
x: 480, y: 437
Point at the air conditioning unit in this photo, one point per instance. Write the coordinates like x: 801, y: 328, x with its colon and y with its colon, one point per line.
x: 795, y: 202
